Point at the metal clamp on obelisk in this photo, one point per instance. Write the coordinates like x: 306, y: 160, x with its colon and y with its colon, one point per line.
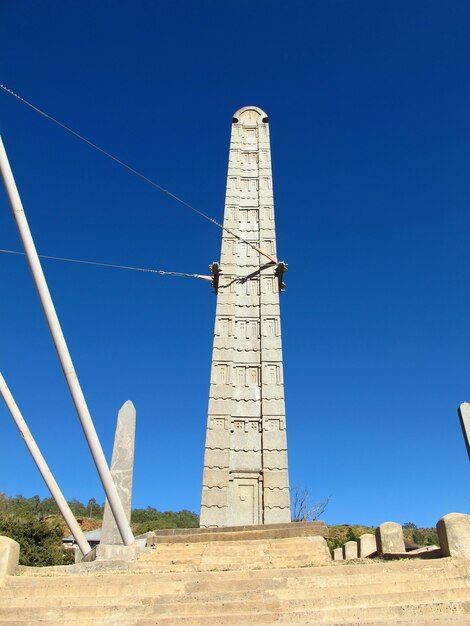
x: 245, y: 478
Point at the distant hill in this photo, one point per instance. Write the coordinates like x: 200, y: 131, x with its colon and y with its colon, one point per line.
x: 345, y: 532
x: 39, y: 528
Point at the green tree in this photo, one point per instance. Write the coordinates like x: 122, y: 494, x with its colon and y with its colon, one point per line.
x: 94, y: 509
x: 351, y: 534
x: 40, y: 542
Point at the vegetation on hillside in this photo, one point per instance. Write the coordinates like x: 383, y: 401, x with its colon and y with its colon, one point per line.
x: 338, y: 535
x: 39, y: 528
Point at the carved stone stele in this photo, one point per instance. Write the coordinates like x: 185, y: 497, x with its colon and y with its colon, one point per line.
x: 367, y: 545
x: 245, y: 478
x: 454, y: 535
x: 122, y: 471
x: 389, y: 538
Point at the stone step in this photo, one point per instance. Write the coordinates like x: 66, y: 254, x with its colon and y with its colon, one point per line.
x: 324, y: 575
x: 223, y: 564
x: 282, y: 589
x: 230, y: 529
x: 253, y: 533
x: 180, y: 594
x: 287, y: 613
x: 240, y: 543
x: 262, y: 620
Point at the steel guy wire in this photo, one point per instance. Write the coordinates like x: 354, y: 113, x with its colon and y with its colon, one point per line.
x: 125, y: 166
x: 111, y: 265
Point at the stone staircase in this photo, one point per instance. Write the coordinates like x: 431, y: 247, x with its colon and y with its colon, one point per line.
x: 285, y: 581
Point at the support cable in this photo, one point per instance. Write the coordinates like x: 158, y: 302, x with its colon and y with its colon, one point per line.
x: 131, y: 169
x: 111, y: 265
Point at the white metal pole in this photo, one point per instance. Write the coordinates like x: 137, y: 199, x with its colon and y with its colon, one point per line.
x: 63, y: 352
x: 43, y: 468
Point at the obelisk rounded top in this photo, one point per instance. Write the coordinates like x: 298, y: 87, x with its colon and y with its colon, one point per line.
x: 250, y: 114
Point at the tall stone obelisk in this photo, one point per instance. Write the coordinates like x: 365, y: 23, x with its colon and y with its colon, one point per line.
x: 245, y: 479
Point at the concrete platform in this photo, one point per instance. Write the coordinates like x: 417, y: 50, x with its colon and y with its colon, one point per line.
x: 238, y: 533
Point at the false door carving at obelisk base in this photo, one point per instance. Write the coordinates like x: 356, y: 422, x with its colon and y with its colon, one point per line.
x: 245, y: 478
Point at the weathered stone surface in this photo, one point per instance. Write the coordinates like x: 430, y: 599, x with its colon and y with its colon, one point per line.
x: 350, y: 550
x: 338, y: 554
x: 240, y: 583
x: 367, y: 545
x: 426, y: 552
x: 115, y: 552
x: 454, y: 535
x: 217, y: 458
x: 238, y: 533
x: 389, y: 537
x: 9, y: 556
x: 277, y: 515
x: 122, y: 470
x: 217, y: 496
x: 276, y: 479
x: 276, y: 498
x: 246, y: 413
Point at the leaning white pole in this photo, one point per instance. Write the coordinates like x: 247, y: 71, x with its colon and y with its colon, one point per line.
x: 43, y: 468
x: 63, y: 352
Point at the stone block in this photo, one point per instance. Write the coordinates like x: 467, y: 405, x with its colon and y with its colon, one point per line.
x: 217, y: 458
x: 245, y: 460
x: 270, y: 310
x: 246, y: 393
x: 218, y: 438
x: 9, y: 556
x: 221, y: 392
x: 453, y: 531
x: 367, y: 545
x: 215, y: 477
x: 350, y: 550
x: 275, y: 459
x: 115, y: 552
x: 218, y: 497
x: 219, y: 406
x: 389, y: 537
x: 274, y: 407
x: 277, y: 498
x: 213, y: 516
x: 338, y: 554
x: 276, y: 479
x: 247, y: 357
x: 425, y: 552
x: 274, y: 440
x: 273, y: 354
x: 277, y: 515
x: 247, y: 408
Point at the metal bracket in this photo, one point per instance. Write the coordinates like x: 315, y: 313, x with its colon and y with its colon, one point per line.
x: 216, y: 272
x: 279, y: 272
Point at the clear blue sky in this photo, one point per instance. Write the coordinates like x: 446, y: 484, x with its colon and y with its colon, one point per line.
x: 369, y: 109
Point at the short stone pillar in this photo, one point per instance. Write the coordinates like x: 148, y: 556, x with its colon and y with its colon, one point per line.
x: 389, y: 538
x: 338, y: 554
x: 9, y: 556
x: 453, y: 531
x: 350, y: 550
x: 367, y: 545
